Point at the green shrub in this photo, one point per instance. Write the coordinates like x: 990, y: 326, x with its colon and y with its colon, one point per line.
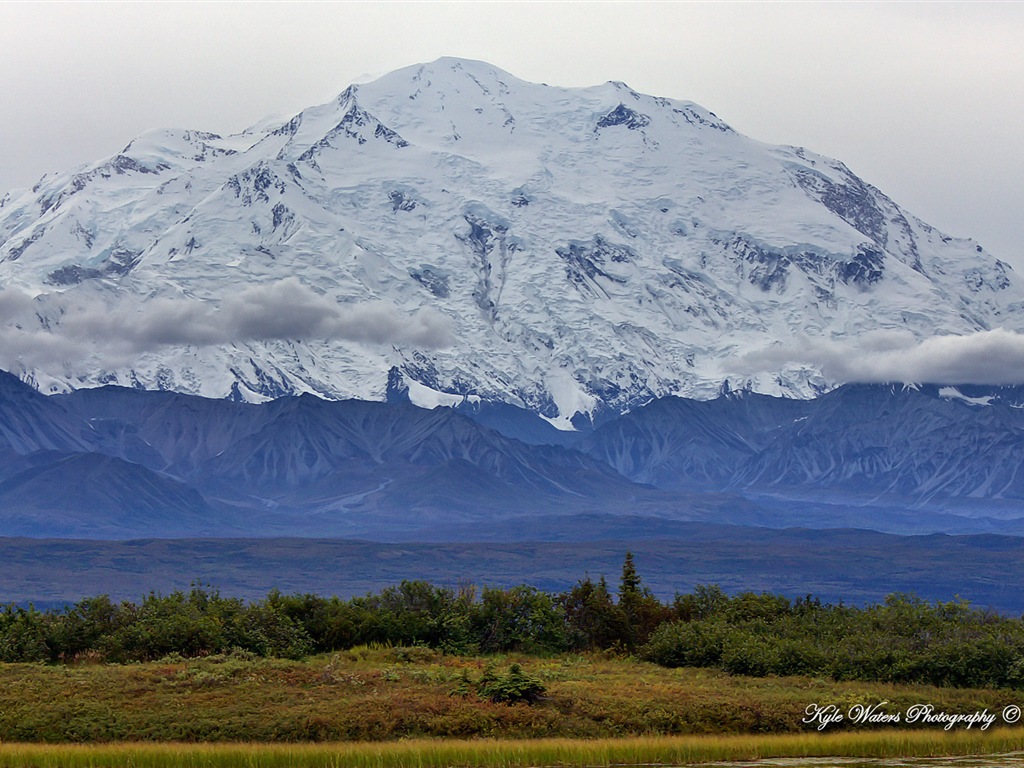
x: 512, y: 687
x: 686, y: 644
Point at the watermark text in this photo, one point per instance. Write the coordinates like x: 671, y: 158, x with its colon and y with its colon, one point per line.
x: 822, y: 716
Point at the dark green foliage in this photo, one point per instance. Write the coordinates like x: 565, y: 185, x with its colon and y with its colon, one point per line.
x: 520, y: 619
x: 904, y: 640
x: 704, y: 602
x: 197, y: 623
x: 630, y: 586
x: 23, y: 635
x: 642, y: 611
x: 687, y: 644
x: 593, y: 620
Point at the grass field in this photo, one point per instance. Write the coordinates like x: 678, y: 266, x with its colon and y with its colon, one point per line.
x: 446, y: 753
x: 378, y: 695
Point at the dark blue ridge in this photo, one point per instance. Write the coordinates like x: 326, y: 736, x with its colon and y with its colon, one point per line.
x: 113, y: 462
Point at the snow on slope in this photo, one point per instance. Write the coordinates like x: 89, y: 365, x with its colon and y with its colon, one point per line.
x: 591, y: 247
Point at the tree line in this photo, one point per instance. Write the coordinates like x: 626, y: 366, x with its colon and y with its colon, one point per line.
x: 903, y: 639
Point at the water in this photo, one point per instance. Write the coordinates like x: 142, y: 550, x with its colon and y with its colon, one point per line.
x: 1011, y: 760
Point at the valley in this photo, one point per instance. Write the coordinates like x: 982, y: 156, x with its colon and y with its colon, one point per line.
x: 855, y: 566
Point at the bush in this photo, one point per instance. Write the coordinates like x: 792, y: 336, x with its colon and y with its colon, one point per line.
x: 686, y: 644
x: 512, y: 687
x: 521, y: 619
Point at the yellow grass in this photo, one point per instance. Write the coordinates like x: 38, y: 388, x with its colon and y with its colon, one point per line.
x: 536, y: 753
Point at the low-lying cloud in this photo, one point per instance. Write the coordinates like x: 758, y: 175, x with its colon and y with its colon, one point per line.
x: 993, y: 357
x: 286, y: 310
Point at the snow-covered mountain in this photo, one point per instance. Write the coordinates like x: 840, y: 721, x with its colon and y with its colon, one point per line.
x: 450, y: 231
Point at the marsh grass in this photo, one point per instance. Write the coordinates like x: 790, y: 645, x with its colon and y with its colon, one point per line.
x: 539, y: 753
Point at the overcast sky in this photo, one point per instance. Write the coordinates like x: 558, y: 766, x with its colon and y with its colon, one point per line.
x: 923, y: 100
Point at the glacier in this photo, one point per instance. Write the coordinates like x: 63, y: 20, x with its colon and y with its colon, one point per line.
x: 579, y: 251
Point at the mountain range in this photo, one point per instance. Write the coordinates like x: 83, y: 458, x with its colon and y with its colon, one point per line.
x: 452, y: 235
x: 115, y: 463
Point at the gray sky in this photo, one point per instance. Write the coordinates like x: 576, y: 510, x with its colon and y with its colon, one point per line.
x: 924, y: 100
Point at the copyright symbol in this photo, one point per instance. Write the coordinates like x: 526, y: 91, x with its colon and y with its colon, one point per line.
x: 1011, y: 714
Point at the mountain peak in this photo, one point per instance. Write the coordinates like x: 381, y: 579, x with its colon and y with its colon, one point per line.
x: 454, y: 67
x: 462, y: 233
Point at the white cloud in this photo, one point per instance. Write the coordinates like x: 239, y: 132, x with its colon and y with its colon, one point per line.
x: 993, y: 357
x: 290, y: 310
x: 287, y: 310
x: 13, y: 304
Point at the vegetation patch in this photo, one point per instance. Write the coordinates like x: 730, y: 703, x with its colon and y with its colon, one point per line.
x: 363, y: 694
x: 493, y: 753
x: 419, y: 661
x: 904, y: 639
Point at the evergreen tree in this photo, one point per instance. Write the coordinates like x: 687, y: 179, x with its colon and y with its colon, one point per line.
x: 630, y: 586
x: 642, y: 611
